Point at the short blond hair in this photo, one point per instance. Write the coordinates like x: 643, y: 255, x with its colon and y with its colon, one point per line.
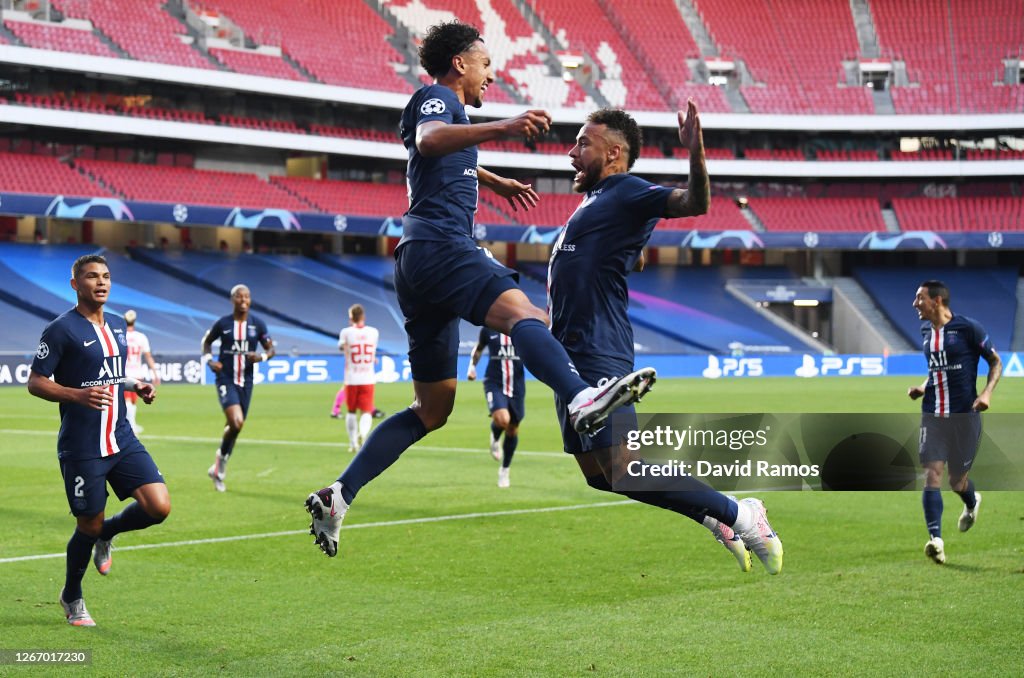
x: 356, y: 312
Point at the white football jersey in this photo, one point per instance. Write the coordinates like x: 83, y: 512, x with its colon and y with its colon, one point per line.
x: 362, y: 352
x: 138, y: 343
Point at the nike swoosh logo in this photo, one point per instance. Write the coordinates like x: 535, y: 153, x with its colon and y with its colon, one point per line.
x: 227, y: 332
x: 333, y: 512
x: 88, y: 343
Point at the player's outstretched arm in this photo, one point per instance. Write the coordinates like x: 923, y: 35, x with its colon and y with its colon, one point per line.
x: 96, y: 397
x: 695, y: 199
x: 517, y: 194
x: 436, y: 137
x: 995, y: 371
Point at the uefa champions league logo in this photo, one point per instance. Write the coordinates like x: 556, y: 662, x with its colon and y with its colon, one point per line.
x: 432, y: 107
x: 180, y: 213
x: 340, y: 223
x: 42, y: 351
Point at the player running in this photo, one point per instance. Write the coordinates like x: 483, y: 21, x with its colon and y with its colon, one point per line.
x: 83, y: 350
x: 240, y: 334
x: 505, y: 390
x: 138, y: 349
x: 602, y: 242
x: 952, y: 406
x: 358, y: 342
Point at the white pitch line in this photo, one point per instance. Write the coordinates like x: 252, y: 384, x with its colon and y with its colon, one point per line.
x: 385, y: 523
x: 286, y: 443
x: 264, y: 474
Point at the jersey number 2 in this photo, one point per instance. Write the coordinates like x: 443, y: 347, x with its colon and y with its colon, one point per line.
x: 79, y: 484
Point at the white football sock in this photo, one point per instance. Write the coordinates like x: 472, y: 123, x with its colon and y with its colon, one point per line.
x: 365, y: 422
x: 352, y: 427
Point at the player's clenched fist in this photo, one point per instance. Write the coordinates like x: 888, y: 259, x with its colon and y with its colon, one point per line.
x: 530, y: 124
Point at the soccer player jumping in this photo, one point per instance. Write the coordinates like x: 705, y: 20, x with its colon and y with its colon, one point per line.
x: 950, y: 412
x: 441, y: 274
x: 84, y: 351
x: 600, y: 245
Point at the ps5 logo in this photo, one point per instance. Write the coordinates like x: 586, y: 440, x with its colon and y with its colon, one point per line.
x: 733, y: 367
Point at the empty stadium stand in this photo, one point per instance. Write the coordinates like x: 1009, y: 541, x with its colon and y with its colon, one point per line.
x: 586, y: 27
x: 338, y: 43
x: 37, y: 276
x: 160, y: 183
x: 23, y: 173
x: 692, y: 305
x: 818, y: 214
x: 58, y: 38
x: 960, y: 214
x: 142, y: 28
x: 987, y: 295
x: 794, y: 50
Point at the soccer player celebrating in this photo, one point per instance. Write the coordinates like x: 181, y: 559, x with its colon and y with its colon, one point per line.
x: 138, y: 348
x: 601, y: 243
x: 83, y: 350
x: 358, y: 342
x: 441, y: 275
x: 239, y: 334
x: 950, y: 412
x: 505, y: 390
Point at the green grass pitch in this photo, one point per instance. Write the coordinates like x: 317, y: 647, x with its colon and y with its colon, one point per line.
x: 502, y: 582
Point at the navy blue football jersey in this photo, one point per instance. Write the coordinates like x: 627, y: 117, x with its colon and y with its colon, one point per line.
x: 504, y: 367
x: 238, y: 337
x: 80, y: 354
x: 587, y: 292
x: 952, y: 352
x: 443, y: 190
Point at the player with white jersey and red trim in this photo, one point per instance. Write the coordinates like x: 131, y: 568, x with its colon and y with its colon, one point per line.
x: 952, y: 406
x: 358, y: 342
x: 80, y: 364
x: 138, y: 350
x: 505, y: 390
x: 239, y: 334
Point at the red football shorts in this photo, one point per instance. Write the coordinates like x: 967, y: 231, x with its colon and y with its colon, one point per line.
x: 359, y: 397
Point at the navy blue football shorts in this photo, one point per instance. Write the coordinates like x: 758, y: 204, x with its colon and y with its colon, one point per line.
x: 229, y: 393
x: 953, y: 439
x: 597, y: 371
x: 85, y: 480
x: 497, y: 400
x: 438, y: 283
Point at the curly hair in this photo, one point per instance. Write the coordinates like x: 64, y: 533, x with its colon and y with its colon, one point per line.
x: 624, y: 124
x: 443, y: 42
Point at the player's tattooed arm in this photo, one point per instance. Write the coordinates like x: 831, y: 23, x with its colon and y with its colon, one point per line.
x: 695, y: 199
x: 995, y: 371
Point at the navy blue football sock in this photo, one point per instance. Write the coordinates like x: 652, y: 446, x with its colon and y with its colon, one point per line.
x: 385, y: 445
x: 968, y: 495
x: 508, y: 448
x: 546, y: 358
x: 227, y: 446
x: 79, y: 551
x: 131, y: 518
x: 695, y: 501
x: 496, y: 431
x: 931, y: 498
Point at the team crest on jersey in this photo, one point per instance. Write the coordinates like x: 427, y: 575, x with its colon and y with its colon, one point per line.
x: 252, y: 331
x: 121, y: 339
x: 432, y: 107
x: 42, y: 351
